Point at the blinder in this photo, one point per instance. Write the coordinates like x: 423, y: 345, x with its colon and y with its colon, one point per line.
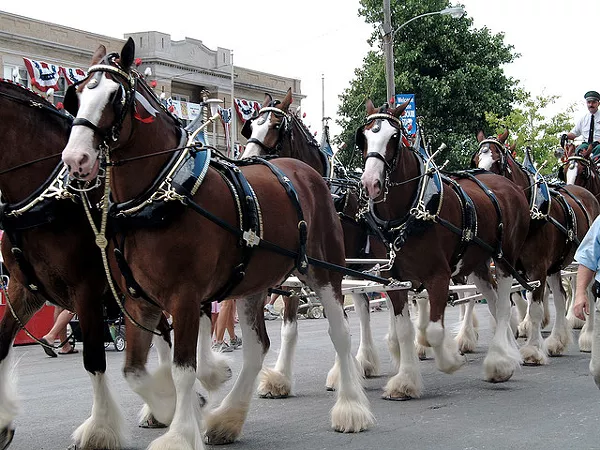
x: 71, y: 102
x: 247, y: 128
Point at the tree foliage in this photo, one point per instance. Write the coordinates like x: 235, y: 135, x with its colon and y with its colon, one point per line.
x: 454, y: 70
x: 529, y: 127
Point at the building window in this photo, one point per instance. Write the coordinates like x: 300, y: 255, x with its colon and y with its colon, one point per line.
x: 17, y: 74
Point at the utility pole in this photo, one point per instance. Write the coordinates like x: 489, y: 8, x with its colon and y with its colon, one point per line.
x: 233, y: 118
x: 388, y: 51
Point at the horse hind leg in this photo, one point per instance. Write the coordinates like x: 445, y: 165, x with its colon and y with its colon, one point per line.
x: 534, y: 352
x: 366, y: 355
x: 214, y: 370
x: 586, y: 335
x: 561, y: 335
x: 351, y: 412
x: 575, y: 323
x: 467, y: 335
x: 277, y: 382
x: 224, y: 423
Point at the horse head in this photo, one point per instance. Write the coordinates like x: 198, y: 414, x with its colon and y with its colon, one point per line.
x: 493, y: 154
x: 578, y: 168
x: 380, y: 140
x: 108, y: 106
x: 266, y: 132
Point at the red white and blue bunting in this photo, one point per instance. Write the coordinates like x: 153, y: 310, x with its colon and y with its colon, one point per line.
x: 73, y: 74
x: 43, y: 75
x: 247, y: 109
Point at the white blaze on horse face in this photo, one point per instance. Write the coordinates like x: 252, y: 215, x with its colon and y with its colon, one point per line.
x: 373, y: 176
x: 572, y: 172
x: 260, y: 128
x: 79, y: 153
x: 485, y: 159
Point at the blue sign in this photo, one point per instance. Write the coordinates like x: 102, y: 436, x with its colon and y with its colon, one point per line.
x: 409, y: 118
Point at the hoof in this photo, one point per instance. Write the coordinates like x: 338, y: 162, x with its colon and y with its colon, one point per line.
x: 6, y: 437
x: 329, y: 389
x: 272, y: 396
x: 152, y: 422
x: 397, y: 399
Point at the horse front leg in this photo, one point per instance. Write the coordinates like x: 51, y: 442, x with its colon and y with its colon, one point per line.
x: 586, y: 336
x: 104, y: 427
x: 25, y: 305
x: 277, y: 382
x: 185, y: 428
x: 157, y: 389
x: 468, y: 335
x: 503, y: 354
x: 407, y: 383
x: 561, y: 335
x: 351, y: 412
x: 224, y: 423
x: 534, y: 352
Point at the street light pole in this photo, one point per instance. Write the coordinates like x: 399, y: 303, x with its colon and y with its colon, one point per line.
x: 388, y: 51
x: 388, y: 40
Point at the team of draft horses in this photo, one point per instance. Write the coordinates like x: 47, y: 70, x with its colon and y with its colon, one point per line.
x: 233, y: 229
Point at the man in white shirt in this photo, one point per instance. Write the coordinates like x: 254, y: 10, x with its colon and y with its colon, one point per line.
x: 589, y: 125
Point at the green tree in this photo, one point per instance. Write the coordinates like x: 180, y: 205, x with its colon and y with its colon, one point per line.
x: 454, y: 70
x: 529, y: 127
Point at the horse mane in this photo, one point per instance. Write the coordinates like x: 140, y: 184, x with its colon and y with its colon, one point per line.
x: 28, y: 94
x: 305, y: 130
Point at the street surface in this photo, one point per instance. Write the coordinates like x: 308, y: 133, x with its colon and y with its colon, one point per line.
x: 551, y: 407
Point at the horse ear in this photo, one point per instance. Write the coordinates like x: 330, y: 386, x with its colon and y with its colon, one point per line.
x: 512, y: 146
x: 480, y: 136
x: 99, y: 54
x: 586, y: 152
x: 370, y: 107
x: 127, y: 54
x: 502, y: 138
x: 397, y: 112
x: 268, y: 100
x: 287, y: 101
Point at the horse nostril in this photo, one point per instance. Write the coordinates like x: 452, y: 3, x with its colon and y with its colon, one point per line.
x: 83, y: 160
x: 377, y: 185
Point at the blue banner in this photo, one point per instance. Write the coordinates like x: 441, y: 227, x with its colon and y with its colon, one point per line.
x: 409, y: 118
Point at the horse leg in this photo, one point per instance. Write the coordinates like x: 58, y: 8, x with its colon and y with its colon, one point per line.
x: 467, y: 336
x: 277, y: 382
x: 520, y: 304
x: 214, y: 370
x: 224, y: 423
x: 391, y: 336
x: 367, y: 355
x: 586, y: 336
x: 184, y: 431
x: 25, y: 305
x: 561, y: 335
x: 534, y: 351
x: 407, y: 383
x: 104, y: 427
x: 157, y: 390
x: 595, y: 360
x: 445, y: 348
x: 421, y: 342
x: 503, y: 355
x: 351, y: 412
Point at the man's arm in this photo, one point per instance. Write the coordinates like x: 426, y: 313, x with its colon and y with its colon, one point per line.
x: 584, y: 278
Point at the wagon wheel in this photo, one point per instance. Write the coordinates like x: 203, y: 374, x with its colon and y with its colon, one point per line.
x: 119, y: 343
x: 316, y: 312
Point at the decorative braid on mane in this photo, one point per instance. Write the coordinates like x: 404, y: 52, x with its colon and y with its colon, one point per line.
x: 28, y: 91
x: 309, y: 136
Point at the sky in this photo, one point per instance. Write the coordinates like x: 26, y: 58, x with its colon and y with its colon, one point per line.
x: 321, y: 42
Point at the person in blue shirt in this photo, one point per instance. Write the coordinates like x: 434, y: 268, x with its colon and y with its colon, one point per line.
x: 588, y: 257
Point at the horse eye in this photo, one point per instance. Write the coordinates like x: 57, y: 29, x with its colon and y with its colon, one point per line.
x: 485, y: 150
x: 277, y: 127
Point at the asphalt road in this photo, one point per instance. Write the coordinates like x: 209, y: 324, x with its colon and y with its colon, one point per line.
x: 551, y: 407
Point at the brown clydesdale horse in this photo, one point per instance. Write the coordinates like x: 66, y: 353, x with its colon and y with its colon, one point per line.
x: 560, y: 219
x: 214, y: 248
x: 578, y: 168
x: 49, y: 253
x: 443, y: 227
x: 277, y: 131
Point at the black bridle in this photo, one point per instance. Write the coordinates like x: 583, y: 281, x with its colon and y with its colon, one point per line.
x: 122, y: 101
x: 284, y: 129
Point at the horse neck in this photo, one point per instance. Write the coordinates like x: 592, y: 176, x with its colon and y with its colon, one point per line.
x: 400, y: 198
x: 516, y: 174
x: 300, y: 148
x: 133, y: 178
x: 28, y: 134
x: 592, y: 183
